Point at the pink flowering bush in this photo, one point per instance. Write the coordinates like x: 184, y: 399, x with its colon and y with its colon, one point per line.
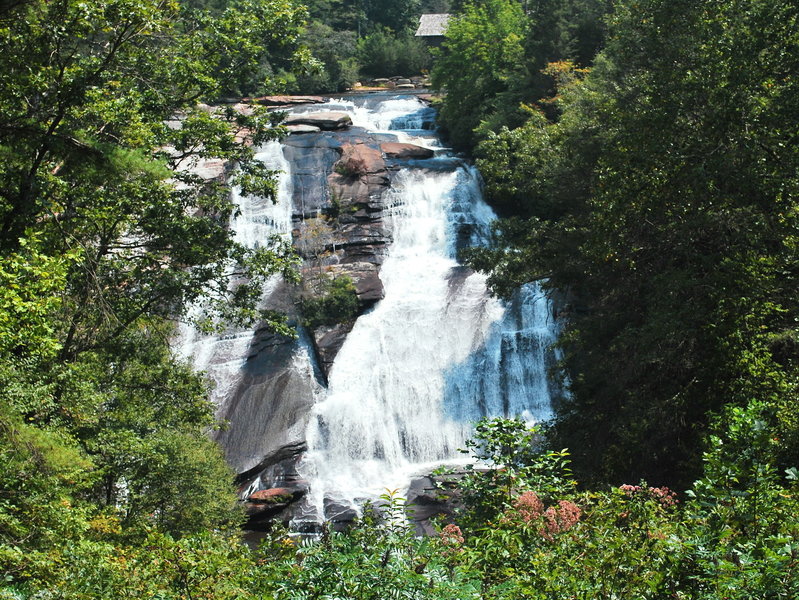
x: 528, y: 506
x: 559, y: 519
x: 662, y: 495
x: 452, y: 536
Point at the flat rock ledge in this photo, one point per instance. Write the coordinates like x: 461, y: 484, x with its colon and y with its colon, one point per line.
x: 403, y: 151
x: 327, y: 121
x: 297, y: 129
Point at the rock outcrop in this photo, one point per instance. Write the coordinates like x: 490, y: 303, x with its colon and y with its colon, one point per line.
x: 299, y: 129
x: 327, y: 121
x: 404, y: 151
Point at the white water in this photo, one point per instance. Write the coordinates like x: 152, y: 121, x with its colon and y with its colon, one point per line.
x: 405, y: 117
x: 256, y: 221
x: 436, y: 353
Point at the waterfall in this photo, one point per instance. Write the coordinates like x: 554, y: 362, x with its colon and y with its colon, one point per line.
x: 255, y: 221
x: 417, y: 369
x: 438, y: 352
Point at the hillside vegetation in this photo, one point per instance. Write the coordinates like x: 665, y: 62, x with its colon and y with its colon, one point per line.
x: 644, y: 156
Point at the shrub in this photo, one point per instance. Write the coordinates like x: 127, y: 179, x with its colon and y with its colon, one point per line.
x: 334, y: 301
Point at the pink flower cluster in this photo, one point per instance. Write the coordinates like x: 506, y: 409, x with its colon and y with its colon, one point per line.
x: 563, y: 517
x: 452, y: 536
x: 663, y: 495
x: 529, y: 506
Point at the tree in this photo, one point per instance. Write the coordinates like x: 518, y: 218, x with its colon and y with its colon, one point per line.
x: 673, y: 247
x: 107, y: 233
x: 480, y: 56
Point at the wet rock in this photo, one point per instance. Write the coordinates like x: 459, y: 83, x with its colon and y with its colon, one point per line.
x: 359, y: 159
x: 328, y: 340
x: 405, y: 86
x: 403, y: 151
x: 267, y: 408
x: 328, y: 121
x: 271, y: 496
x: 339, y: 514
x: 266, y: 506
x: 434, y: 496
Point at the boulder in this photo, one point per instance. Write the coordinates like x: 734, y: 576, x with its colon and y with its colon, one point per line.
x: 359, y: 159
x: 405, y: 86
x: 297, y: 129
x: 402, y: 81
x: 329, y: 121
x: 434, y: 498
x: 403, y: 151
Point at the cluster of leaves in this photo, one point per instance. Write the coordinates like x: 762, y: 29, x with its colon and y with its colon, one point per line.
x: 331, y: 300
x: 367, y: 38
x: 383, y: 53
x: 662, y: 204
x: 492, y: 62
x: 106, y: 235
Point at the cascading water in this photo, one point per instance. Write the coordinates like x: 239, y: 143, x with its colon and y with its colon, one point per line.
x: 417, y: 369
x: 438, y: 352
x: 257, y: 220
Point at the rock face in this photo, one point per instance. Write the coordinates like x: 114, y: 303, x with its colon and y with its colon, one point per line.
x: 403, y: 151
x: 358, y: 160
x: 434, y: 496
x: 327, y: 121
x: 339, y: 178
x: 328, y: 340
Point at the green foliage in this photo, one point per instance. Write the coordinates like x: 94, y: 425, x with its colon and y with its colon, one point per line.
x: 332, y: 301
x: 386, y: 54
x: 397, y: 15
x: 379, y: 557
x: 661, y: 205
x: 493, y: 62
x: 516, y: 461
x: 106, y: 235
x: 336, y: 50
x: 481, y: 54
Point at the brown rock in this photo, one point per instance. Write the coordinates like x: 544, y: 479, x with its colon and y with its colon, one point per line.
x: 271, y: 496
x: 359, y: 159
x: 364, y: 275
x: 328, y: 340
x: 399, y: 150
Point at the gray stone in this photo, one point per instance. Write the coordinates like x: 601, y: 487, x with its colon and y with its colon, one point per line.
x: 328, y: 121
x: 296, y: 129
